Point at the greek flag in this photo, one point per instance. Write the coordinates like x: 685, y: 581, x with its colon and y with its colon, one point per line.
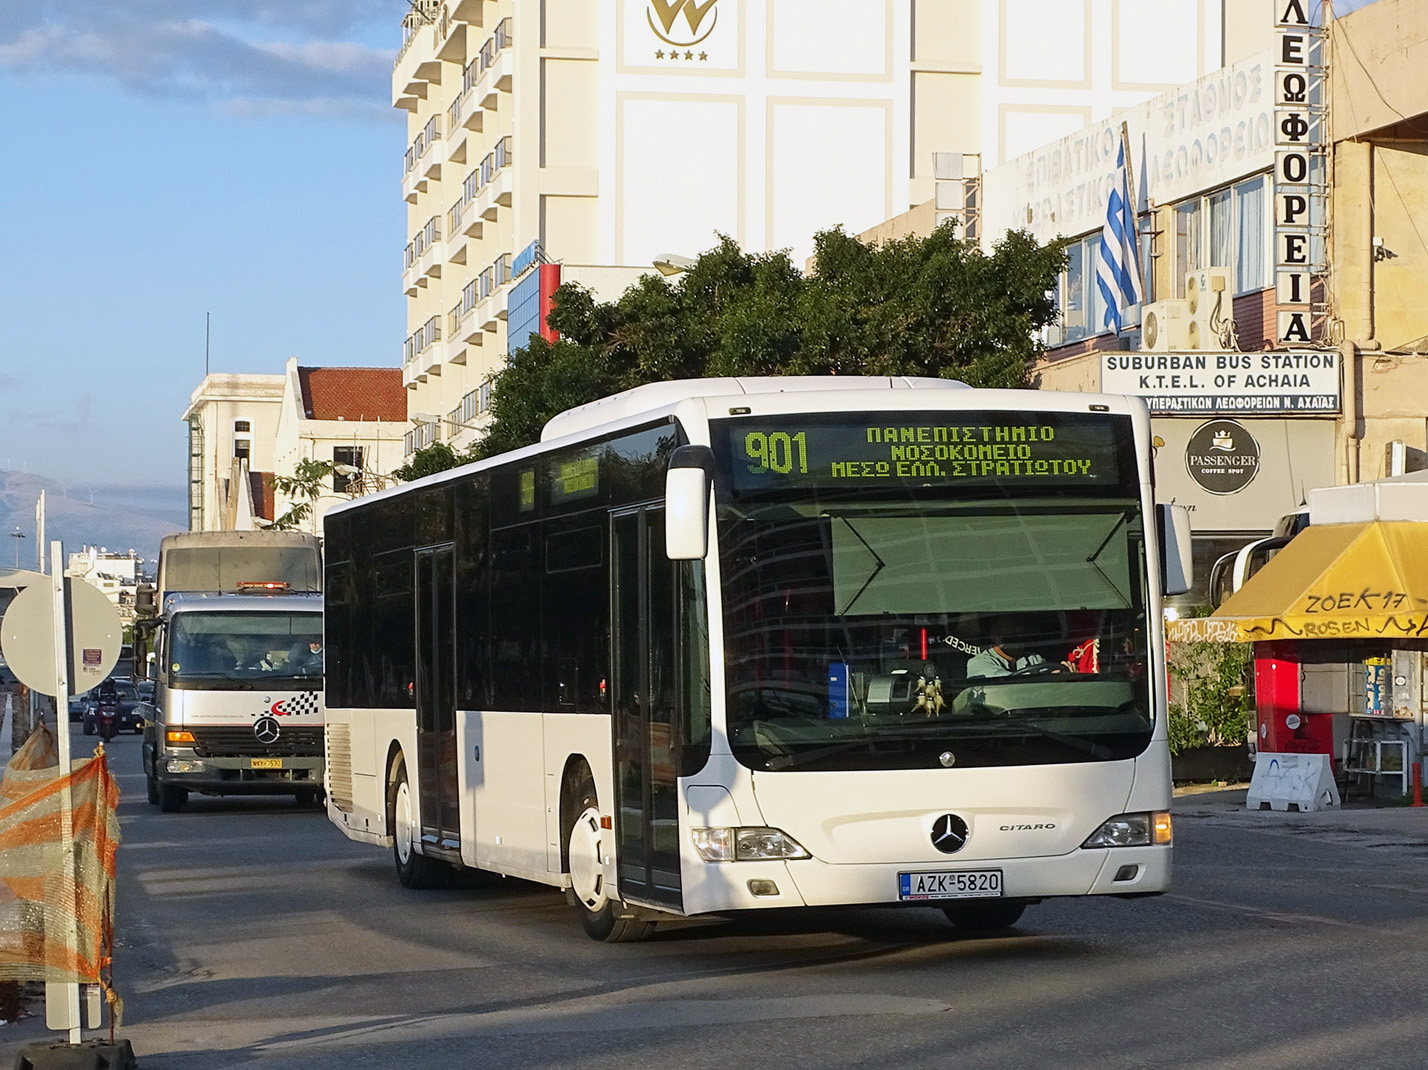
x: 1118, y: 266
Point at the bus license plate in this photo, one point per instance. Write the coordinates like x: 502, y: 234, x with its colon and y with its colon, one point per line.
x: 968, y: 884
x: 266, y: 763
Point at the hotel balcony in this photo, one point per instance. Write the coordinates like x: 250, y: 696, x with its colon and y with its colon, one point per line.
x: 430, y: 261
x: 492, y: 311
x: 415, y: 70
x: 410, y: 378
x: 495, y: 194
x: 429, y: 359
x: 468, y: 11
x: 413, y: 183
x: 495, y: 79
x: 455, y: 351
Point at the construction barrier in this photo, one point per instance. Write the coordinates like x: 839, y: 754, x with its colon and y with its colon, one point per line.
x: 56, y: 921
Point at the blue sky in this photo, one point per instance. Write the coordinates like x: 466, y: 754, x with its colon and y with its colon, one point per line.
x: 241, y: 159
x: 163, y: 160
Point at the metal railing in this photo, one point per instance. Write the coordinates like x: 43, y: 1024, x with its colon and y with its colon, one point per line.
x: 497, y: 41
x: 432, y: 327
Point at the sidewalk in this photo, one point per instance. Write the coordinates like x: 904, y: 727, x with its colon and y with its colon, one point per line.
x: 1369, y: 820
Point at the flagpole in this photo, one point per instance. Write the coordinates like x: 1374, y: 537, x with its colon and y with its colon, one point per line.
x: 1134, y: 193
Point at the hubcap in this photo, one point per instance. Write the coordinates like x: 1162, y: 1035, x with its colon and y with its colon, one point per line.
x: 587, y: 875
x: 402, y: 818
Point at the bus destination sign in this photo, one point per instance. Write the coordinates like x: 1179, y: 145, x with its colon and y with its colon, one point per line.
x: 926, y: 449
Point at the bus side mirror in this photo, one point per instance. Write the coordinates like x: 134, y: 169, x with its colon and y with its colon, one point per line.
x: 1177, y: 570
x: 686, y: 503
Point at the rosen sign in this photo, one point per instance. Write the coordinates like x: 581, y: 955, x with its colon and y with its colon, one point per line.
x: 1293, y: 382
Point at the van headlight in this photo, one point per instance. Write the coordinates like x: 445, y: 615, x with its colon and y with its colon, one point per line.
x: 1133, y: 830
x: 745, y: 844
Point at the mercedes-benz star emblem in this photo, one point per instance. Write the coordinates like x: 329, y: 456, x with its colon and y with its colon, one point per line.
x: 267, y: 731
x: 949, y: 834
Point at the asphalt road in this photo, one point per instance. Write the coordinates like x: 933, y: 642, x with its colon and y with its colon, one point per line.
x: 252, y: 934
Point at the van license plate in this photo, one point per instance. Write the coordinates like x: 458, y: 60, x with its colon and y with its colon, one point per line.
x: 265, y: 763
x: 968, y: 884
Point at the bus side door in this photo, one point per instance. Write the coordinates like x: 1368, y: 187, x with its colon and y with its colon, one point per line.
x: 646, y: 792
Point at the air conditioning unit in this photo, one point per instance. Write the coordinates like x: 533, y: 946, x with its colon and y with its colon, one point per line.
x: 1209, y: 301
x: 1163, y: 326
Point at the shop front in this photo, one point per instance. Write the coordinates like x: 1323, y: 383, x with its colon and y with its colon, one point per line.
x: 1339, y: 620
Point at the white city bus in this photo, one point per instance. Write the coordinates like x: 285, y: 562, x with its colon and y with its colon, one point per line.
x: 910, y: 652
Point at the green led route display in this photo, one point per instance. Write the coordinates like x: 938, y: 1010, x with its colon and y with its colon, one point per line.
x: 826, y: 450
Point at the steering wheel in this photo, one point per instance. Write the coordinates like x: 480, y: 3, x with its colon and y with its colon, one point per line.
x: 1041, y: 668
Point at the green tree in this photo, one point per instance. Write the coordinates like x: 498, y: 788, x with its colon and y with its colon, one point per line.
x: 934, y: 306
x: 302, y: 488
x: 429, y: 460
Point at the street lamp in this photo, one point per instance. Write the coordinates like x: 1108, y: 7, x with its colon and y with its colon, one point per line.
x: 17, y: 535
x: 672, y: 263
x: 432, y: 418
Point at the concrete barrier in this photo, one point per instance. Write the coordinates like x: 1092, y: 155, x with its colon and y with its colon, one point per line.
x: 1302, y: 781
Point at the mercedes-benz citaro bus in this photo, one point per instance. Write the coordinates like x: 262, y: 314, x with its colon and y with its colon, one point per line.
x: 732, y: 644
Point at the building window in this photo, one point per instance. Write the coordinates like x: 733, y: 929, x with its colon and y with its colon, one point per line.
x: 1189, y: 242
x: 240, y: 426
x: 1251, y: 263
x: 350, y: 459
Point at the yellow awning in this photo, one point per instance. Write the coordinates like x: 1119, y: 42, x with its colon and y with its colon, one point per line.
x: 1333, y: 581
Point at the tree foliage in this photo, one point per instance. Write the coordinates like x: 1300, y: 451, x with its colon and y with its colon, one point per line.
x: 302, y: 488
x: 437, y: 457
x: 934, y: 306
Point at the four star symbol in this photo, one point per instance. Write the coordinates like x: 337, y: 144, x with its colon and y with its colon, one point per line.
x: 674, y: 55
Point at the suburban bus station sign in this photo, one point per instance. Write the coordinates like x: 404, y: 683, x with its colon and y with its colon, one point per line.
x: 1281, y: 383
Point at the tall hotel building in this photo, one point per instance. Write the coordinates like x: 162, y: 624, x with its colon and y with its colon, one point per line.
x: 582, y: 140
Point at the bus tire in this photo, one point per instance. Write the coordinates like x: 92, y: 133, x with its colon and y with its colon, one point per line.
x: 414, y: 870
x: 171, y: 799
x: 986, y: 915
x: 152, y: 783
x: 599, y: 912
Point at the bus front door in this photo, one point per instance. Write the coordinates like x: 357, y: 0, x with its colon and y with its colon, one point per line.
x: 646, y: 796
x: 436, y: 699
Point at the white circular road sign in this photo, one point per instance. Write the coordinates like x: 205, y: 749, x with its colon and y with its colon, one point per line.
x: 27, y: 637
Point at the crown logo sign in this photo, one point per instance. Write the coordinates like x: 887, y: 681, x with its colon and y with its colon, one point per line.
x: 663, y: 14
x: 1223, y: 440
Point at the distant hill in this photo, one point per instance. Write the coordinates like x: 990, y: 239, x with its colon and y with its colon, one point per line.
x: 119, y: 519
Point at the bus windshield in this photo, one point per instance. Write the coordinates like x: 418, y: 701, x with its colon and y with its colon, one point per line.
x: 220, y: 649
x: 916, y: 622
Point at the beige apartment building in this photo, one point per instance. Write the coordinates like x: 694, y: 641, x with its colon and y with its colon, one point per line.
x: 603, y: 135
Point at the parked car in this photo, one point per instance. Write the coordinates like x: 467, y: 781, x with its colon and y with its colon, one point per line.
x: 129, y: 715
x: 77, y: 703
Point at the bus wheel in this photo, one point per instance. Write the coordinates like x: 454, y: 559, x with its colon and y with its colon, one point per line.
x: 413, y: 870
x: 599, y: 912
x: 152, y: 783
x: 986, y: 915
x: 171, y: 799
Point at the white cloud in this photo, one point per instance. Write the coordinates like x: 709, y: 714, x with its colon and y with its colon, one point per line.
x: 243, y: 56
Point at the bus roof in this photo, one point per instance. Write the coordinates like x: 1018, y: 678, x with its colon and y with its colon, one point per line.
x: 656, y: 397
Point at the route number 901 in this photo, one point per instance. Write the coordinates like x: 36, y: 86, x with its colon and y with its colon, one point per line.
x: 776, y: 452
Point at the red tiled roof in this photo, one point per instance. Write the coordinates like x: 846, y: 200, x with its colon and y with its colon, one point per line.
x: 353, y: 394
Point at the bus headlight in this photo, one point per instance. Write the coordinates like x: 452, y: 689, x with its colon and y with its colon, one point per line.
x: 745, y: 844
x: 1132, y: 830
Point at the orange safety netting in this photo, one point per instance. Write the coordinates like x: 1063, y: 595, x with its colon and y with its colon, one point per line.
x: 56, y: 920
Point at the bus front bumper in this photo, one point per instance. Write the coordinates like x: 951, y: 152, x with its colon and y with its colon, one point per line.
x: 726, y: 886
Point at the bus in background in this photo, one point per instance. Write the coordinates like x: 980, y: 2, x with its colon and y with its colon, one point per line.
x: 236, y: 663
x: 912, y: 653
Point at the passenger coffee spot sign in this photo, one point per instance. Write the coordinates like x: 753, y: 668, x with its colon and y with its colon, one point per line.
x: 1222, y: 457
